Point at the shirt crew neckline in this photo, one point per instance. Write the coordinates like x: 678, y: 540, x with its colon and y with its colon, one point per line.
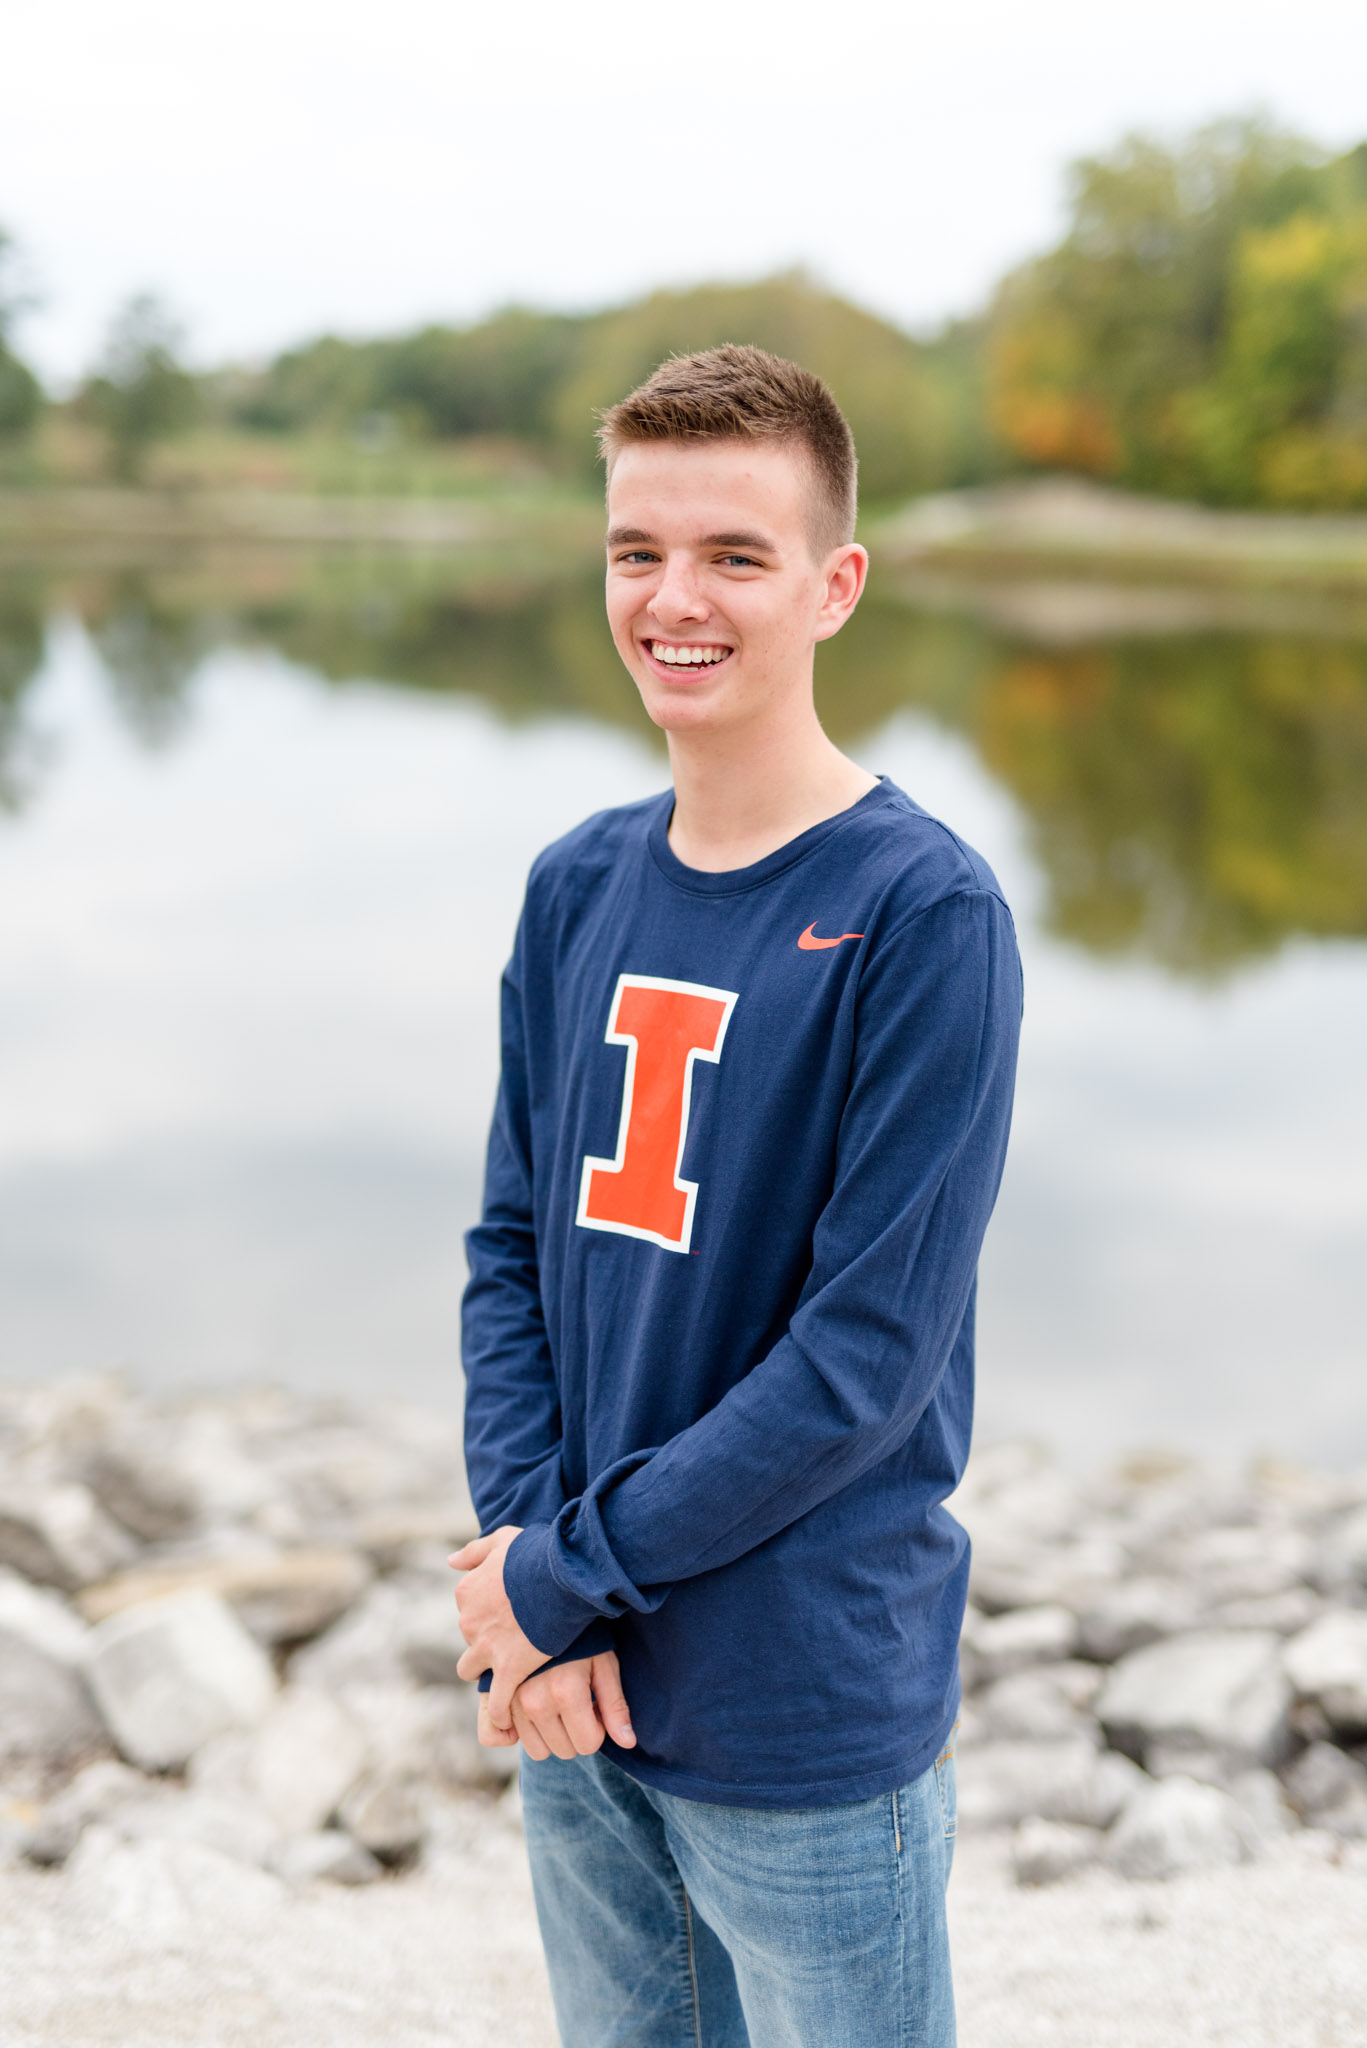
x: 732, y: 881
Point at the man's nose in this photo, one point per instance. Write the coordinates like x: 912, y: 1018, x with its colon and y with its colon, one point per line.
x: 678, y: 597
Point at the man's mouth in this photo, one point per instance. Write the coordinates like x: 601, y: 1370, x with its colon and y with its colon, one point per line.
x: 687, y: 654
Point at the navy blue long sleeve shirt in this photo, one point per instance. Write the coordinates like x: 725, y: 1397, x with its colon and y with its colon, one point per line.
x: 718, y: 1333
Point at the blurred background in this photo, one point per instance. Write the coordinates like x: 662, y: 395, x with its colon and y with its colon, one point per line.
x: 304, y: 315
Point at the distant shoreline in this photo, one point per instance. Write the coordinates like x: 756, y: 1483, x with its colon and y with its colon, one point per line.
x: 1109, y: 560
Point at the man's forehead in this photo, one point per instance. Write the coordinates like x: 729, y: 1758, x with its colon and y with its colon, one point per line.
x: 722, y: 494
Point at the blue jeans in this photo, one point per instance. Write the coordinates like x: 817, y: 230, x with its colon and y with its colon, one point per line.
x: 668, y: 1923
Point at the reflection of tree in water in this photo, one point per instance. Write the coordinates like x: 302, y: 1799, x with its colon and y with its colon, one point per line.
x: 21, y: 655
x: 150, y: 649
x: 1196, y: 799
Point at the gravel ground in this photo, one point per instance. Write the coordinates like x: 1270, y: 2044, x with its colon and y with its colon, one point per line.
x: 150, y: 1945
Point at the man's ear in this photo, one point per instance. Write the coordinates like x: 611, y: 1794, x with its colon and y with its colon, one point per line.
x: 846, y: 573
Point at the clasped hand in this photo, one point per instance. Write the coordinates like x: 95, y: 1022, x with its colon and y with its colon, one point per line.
x: 562, y: 1712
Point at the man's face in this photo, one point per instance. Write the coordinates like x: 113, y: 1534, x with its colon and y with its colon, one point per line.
x: 714, y: 596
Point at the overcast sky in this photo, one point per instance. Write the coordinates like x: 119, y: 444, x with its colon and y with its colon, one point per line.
x: 279, y: 167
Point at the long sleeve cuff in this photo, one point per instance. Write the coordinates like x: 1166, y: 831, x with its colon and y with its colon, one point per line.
x: 547, y: 1614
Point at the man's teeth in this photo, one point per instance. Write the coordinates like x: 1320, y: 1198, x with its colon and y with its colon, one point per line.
x: 680, y: 657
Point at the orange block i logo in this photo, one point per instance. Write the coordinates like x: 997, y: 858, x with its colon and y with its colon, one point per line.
x: 665, y: 1026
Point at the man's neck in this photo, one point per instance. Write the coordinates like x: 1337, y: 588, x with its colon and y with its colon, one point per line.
x: 740, y: 796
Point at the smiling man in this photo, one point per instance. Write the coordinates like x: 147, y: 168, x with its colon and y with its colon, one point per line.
x: 759, y: 1041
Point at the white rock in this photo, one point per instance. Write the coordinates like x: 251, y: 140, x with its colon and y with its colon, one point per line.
x: 159, y: 1894
x: 1251, y: 1561
x: 993, y: 1646
x: 45, y: 1708
x: 170, y: 1674
x: 303, y: 1759
x: 232, y: 1827
x: 1043, y: 1851
x: 60, y: 1536
x: 428, y: 1733
x: 1328, y: 1665
x: 328, y: 1854
x: 1008, y: 1782
x: 1009, y: 1572
x: 1214, y: 1690
x: 1178, y: 1825
x: 91, y: 1796
x: 1286, y: 1614
x: 41, y: 1618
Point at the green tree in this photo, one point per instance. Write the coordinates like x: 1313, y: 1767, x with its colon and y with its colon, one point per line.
x: 1200, y: 329
x: 876, y: 372
x: 141, y: 394
x: 21, y: 395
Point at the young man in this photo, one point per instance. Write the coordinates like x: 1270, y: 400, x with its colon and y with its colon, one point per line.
x: 759, y: 1039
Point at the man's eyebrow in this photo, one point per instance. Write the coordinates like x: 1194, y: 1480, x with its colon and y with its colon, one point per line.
x: 760, y: 542
x: 636, y: 536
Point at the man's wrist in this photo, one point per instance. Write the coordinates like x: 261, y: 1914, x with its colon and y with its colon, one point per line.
x: 548, y: 1615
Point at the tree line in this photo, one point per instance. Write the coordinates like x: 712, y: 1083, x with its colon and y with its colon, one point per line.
x: 1200, y: 331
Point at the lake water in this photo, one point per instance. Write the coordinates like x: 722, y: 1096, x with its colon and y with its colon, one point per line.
x: 266, y: 822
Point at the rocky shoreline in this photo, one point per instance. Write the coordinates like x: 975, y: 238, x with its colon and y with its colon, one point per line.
x: 228, y: 1648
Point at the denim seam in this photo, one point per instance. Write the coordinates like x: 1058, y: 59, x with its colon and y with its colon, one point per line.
x: 899, y: 1879
x: 692, y: 1967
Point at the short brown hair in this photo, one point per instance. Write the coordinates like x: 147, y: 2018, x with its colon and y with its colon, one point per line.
x: 740, y: 393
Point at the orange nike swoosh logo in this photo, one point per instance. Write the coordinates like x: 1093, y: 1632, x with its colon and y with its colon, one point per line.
x: 811, y: 944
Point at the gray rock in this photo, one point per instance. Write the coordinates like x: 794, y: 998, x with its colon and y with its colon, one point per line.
x: 92, y: 1795
x: 429, y: 1639
x: 170, y: 1674
x: 1328, y: 1666
x: 60, y: 1536
x: 281, y: 1596
x: 385, y: 1815
x: 45, y: 1708
x: 1260, y: 1795
x: 1342, y: 1561
x: 1043, y: 1851
x: 1031, y: 1706
x: 327, y: 1854
x: 1214, y: 1690
x: 138, y: 1482
x: 1178, y: 1825
x: 1008, y: 1782
x: 1132, y: 1613
x: 366, y: 1647
x: 1329, y: 1789
x: 1010, y: 1572
x: 993, y: 1646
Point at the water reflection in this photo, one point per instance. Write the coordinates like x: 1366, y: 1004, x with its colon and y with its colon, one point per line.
x: 1194, y: 796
